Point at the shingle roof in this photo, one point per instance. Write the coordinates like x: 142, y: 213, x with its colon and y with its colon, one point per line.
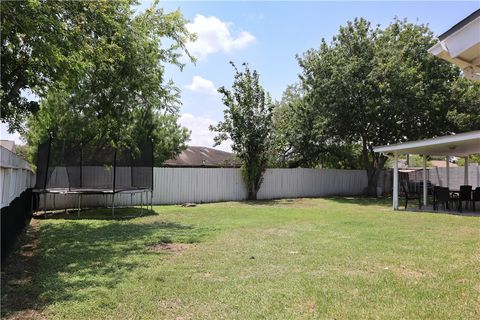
x: 195, y: 156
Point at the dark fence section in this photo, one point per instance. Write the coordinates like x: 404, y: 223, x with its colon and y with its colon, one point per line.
x: 14, y: 218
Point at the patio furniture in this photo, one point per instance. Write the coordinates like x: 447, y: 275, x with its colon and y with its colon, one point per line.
x: 410, y: 194
x: 443, y: 196
x: 475, y: 197
x: 465, y: 195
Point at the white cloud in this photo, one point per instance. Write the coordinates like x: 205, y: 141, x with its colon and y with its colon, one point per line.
x: 202, y: 85
x: 201, y: 134
x: 213, y: 35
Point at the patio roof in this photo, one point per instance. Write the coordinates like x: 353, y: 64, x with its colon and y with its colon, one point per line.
x: 462, y: 144
x: 460, y: 45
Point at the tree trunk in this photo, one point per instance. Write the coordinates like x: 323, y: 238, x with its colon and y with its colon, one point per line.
x: 372, y: 176
x: 373, y: 163
x: 252, y: 195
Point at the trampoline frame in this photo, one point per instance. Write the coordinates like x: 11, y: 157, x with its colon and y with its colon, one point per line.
x: 95, y: 190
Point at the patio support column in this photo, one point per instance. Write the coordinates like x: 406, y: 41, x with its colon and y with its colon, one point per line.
x: 465, y: 177
x: 395, y: 182
x: 447, y: 168
x: 425, y: 180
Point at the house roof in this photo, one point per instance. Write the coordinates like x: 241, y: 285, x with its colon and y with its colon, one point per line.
x: 8, y: 144
x: 460, y: 45
x: 460, y: 25
x: 196, y: 156
x: 462, y: 144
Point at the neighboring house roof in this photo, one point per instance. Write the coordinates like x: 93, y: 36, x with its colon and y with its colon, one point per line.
x: 195, y: 156
x: 9, y: 145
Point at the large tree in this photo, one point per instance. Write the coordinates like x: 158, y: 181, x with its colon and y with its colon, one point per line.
x: 109, y: 58
x: 43, y: 42
x: 374, y: 87
x: 248, y: 123
x: 299, y: 139
x: 114, y: 80
x: 464, y: 113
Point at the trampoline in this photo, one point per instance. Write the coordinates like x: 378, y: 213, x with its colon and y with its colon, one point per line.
x: 70, y: 167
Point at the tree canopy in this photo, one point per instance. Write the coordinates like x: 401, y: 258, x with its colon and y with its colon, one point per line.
x: 97, y: 67
x: 248, y: 123
x: 373, y: 86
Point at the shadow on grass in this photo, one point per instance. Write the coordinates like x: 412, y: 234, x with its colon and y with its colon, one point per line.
x: 97, y: 214
x: 75, y: 255
x: 271, y: 202
x: 363, y: 201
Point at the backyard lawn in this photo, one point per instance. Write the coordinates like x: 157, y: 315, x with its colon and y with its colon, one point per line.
x: 307, y: 258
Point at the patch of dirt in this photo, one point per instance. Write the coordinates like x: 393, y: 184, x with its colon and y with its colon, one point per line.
x: 169, y: 247
x: 169, y: 303
x: 405, y: 272
x: 28, y: 314
x: 309, y: 306
x: 18, y: 302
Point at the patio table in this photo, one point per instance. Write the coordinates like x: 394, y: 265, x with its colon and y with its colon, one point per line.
x: 452, y: 192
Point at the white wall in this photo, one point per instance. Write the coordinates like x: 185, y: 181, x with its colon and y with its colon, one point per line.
x: 15, y: 176
x: 180, y: 185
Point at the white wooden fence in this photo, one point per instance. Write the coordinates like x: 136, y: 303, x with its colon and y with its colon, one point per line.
x: 15, y: 176
x: 438, y: 176
x: 180, y: 185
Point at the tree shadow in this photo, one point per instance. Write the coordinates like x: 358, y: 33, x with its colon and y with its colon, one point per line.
x: 271, y: 202
x: 125, y: 213
x: 363, y: 201
x: 75, y: 255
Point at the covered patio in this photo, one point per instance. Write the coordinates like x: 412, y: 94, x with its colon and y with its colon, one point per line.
x: 459, y: 145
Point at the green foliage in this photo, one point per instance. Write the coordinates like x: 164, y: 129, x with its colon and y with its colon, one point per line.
x: 465, y: 110
x: 44, y: 42
x: 299, y: 140
x: 55, y: 116
x: 114, y: 87
x: 474, y: 158
x: 372, y: 87
x: 248, y: 123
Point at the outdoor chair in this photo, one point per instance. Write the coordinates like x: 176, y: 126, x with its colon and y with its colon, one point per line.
x: 475, y: 197
x: 410, y: 194
x: 442, y: 195
x: 465, y: 195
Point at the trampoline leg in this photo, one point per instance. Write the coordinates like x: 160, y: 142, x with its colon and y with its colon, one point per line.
x: 113, y: 204
x: 45, y: 204
x: 54, y: 206
x: 79, y: 205
x: 151, y: 200
x: 131, y: 199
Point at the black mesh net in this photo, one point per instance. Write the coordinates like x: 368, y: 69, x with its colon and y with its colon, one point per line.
x: 94, y: 167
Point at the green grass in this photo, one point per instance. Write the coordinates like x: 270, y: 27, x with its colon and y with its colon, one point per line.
x: 309, y: 258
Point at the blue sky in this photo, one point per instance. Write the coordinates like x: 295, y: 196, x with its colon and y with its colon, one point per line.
x: 268, y: 35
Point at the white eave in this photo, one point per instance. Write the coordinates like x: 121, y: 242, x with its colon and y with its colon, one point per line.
x: 462, y: 144
x: 461, y: 46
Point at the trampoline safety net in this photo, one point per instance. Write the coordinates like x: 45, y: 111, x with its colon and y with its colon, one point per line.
x: 93, y: 167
